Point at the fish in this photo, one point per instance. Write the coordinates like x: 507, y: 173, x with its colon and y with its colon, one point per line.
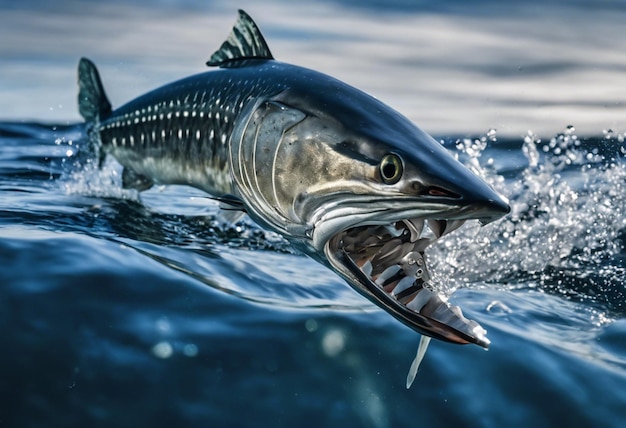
x: 342, y: 176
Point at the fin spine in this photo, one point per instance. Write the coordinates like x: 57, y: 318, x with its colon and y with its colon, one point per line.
x: 244, y: 42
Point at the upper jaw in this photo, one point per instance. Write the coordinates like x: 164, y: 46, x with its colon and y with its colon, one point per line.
x: 332, y: 218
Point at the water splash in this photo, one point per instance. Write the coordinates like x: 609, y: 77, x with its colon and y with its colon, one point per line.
x: 566, y: 229
x: 84, y: 175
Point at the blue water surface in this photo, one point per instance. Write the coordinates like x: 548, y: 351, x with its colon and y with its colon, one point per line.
x: 116, y: 312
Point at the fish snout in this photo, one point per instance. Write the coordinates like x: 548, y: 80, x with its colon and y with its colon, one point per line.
x: 493, y: 209
x: 483, y: 201
x: 474, y: 195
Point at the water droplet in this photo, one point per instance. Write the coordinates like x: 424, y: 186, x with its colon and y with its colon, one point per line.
x: 190, y: 350
x: 498, y: 307
x: 530, y: 150
x: 163, y: 325
x: 162, y: 350
x: 311, y: 325
x: 333, y: 343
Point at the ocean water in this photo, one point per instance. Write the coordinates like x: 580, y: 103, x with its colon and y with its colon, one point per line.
x: 119, y: 309
x: 126, y: 309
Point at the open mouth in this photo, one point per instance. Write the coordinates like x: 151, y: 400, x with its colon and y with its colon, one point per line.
x: 389, y: 264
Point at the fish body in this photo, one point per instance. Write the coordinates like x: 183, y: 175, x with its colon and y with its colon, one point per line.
x: 179, y: 133
x: 344, y: 177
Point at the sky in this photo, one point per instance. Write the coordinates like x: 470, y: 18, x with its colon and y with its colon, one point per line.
x: 454, y: 68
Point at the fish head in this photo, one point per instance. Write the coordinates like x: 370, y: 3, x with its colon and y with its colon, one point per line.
x: 359, y: 187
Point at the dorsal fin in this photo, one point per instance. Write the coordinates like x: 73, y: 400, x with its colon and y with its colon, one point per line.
x: 244, y: 42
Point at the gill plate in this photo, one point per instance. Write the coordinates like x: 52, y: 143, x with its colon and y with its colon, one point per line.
x: 254, y: 146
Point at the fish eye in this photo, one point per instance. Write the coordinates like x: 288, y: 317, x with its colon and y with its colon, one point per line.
x: 390, y: 168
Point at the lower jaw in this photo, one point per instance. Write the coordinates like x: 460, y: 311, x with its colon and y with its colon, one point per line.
x: 390, y: 264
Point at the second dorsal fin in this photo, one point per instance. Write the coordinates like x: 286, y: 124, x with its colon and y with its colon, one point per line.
x: 244, y: 42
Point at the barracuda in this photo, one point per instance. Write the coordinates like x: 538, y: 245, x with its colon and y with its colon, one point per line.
x: 345, y: 178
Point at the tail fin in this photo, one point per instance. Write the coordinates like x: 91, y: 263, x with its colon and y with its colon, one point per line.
x: 93, y: 103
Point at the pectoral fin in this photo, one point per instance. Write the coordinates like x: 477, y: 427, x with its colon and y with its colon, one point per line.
x: 230, y: 203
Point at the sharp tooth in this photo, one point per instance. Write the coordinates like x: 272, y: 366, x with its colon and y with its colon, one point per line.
x: 408, y: 295
x: 389, y: 255
x: 420, y: 245
x: 453, y: 225
x: 391, y: 283
x: 390, y: 272
x: 415, y: 226
x: 437, y: 227
x: 421, y: 298
x: 367, y: 268
x: 403, y: 285
x: 367, y: 253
